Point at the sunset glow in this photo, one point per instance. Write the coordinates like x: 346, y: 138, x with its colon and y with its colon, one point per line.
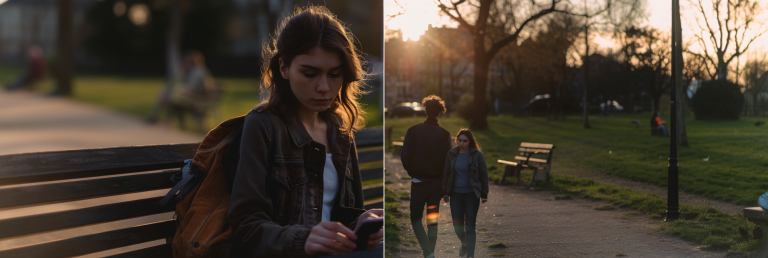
x: 411, y: 17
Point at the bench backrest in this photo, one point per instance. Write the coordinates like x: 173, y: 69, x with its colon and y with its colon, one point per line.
x: 116, y: 186
x: 540, y: 153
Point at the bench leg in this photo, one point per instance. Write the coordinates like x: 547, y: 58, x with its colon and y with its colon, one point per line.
x: 762, y: 249
x: 533, y: 178
x: 504, y: 175
x: 517, y: 175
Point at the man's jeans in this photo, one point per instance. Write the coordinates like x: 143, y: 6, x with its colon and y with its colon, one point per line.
x: 464, y: 207
x: 664, y: 128
x: 428, y: 193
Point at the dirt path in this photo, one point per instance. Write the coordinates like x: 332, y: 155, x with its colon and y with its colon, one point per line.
x: 533, y: 224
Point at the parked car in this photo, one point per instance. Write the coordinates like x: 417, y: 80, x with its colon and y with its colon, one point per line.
x: 611, y: 106
x: 407, y: 109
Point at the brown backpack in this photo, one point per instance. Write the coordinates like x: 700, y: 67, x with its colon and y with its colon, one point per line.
x: 202, y: 197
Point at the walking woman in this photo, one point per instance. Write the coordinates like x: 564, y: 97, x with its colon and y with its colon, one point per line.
x: 465, y: 185
x: 297, y: 191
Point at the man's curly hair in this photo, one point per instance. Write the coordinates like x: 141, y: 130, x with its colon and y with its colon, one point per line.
x: 433, y: 105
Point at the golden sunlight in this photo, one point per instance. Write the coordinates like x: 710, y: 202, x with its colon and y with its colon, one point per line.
x: 411, y: 17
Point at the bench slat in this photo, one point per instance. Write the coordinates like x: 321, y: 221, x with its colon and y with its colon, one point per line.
x: 96, y: 242
x: 370, y: 155
x: 510, y: 163
x: 369, y: 137
x: 372, y: 192
x: 158, y: 251
x: 15, y: 196
x: 531, y: 159
x: 537, y: 145
x: 74, y: 218
x: 372, y: 173
x: 58, y: 165
x: 537, y: 151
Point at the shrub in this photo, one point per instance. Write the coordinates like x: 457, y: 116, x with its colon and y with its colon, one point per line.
x: 718, y: 99
x: 466, y: 107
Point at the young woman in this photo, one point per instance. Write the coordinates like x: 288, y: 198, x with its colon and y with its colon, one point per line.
x: 298, y: 190
x: 465, y: 185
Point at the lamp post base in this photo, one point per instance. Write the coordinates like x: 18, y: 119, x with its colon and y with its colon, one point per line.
x: 672, y: 215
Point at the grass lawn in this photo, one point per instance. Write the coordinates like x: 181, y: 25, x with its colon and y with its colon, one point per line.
x: 737, y: 151
x: 136, y: 96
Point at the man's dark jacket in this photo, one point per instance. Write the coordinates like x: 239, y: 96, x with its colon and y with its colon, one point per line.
x: 424, y: 150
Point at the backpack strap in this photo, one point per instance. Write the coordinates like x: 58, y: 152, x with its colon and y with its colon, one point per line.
x: 184, y: 184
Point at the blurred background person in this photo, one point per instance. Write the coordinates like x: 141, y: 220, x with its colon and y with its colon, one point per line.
x: 34, y: 73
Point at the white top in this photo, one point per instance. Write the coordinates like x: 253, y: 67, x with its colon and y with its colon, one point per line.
x: 330, y: 187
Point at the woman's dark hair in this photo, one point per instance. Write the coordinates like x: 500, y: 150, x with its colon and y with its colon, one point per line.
x: 433, y: 105
x: 307, y: 28
x: 468, y: 133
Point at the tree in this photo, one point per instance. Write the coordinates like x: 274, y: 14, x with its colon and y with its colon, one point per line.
x: 500, y: 23
x: 511, y: 17
x: 449, y: 51
x: 754, y: 71
x: 648, y: 50
x: 723, y: 32
x: 65, y: 67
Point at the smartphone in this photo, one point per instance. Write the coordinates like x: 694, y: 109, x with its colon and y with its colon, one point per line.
x: 365, y: 230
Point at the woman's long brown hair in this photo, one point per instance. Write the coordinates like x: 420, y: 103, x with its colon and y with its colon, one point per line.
x: 468, y: 133
x: 307, y: 28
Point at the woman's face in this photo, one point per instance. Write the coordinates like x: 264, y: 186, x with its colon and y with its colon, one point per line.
x: 463, y: 142
x: 315, y: 78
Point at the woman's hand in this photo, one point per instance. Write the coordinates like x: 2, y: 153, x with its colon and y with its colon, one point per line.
x: 330, y: 237
x: 375, y: 238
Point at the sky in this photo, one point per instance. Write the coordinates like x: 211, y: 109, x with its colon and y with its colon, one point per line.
x: 419, y: 14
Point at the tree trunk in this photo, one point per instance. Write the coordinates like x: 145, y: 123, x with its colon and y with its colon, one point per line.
x: 479, y: 121
x: 440, y: 74
x: 585, y: 114
x: 172, y: 51
x: 65, y: 64
x: 656, y: 101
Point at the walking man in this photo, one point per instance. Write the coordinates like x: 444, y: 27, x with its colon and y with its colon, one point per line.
x: 423, y: 156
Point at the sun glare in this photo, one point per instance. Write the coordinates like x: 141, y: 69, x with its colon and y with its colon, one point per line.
x: 412, y: 17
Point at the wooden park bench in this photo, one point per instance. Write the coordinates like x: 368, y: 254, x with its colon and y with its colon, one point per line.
x: 93, y: 175
x: 536, y: 156
x: 760, y: 217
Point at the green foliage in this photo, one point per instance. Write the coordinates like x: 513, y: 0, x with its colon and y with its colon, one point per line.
x: 497, y: 245
x: 391, y: 229
x: 605, y: 208
x: 718, y: 99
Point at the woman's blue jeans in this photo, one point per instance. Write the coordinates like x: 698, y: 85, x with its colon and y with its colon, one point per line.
x: 464, y: 207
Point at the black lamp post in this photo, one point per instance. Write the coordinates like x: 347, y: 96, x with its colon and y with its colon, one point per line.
x: 673, y: 205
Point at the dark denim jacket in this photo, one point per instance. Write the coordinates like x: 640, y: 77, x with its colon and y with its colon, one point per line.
x: 277, y: 196
x: 478, y: 172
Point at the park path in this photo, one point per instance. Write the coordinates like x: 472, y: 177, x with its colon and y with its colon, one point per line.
x: 34, y: 123
x: 533, y: 224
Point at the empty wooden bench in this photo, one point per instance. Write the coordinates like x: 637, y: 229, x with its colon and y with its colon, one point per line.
x: 536, y: 156
x: 101, y: 201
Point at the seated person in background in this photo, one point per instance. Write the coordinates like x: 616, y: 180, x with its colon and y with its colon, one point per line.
x: 34, y: 73
x: 194, y: 94
x: 657, y: 123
